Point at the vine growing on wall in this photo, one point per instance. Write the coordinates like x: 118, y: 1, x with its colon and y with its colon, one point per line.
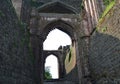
x: 108, y: 4
x: 47, y: 73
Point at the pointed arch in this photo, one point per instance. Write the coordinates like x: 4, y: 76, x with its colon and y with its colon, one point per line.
x: 52, y: 64
x: 61, y: 25
x: 55, y: 39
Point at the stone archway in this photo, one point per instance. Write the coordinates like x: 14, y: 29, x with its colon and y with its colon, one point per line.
x: 45, y: 24
x: 42, y: 24
x: 59, y: 55
x: 67, y: 28
x: 52, y: 66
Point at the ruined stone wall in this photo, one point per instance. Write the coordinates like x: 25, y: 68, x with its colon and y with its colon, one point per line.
x: 26, y: 8
x: 104, y: 55
x: 70, y: 60
x: 16, y: 66
x: 70, y: 65
x: 23, y: 9
x: 91, y: 12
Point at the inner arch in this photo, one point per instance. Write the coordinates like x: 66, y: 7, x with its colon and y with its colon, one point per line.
x: 51, y: 65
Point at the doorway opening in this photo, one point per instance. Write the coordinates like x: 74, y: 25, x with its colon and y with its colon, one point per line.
x: 55, y: 39
x: 51, y: 67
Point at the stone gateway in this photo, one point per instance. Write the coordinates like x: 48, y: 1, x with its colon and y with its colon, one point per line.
x: 94, y: 29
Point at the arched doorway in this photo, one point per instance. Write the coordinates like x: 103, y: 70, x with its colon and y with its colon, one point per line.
x: 42, y: 35
x: 69, y: 65
x: 57, y: 43
x: 51, y: 67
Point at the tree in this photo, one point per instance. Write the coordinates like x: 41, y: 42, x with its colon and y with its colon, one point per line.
x: 47, y: 73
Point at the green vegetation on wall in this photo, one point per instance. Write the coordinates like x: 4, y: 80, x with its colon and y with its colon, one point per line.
x: 109, y: 4
x: 47, y: 74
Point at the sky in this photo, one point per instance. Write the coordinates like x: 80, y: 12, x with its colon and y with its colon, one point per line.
x: 55, y: 39
x: 52, y: 63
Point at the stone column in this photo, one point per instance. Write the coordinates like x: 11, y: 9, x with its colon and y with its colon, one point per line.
x: 61, y: 65
x: 95, y: 11
x: 37, y: 47
x: 87, y: 26
x: 25, y: 11
x: 87, y: 21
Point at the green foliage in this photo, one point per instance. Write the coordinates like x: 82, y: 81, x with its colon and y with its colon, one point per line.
x: 81, y: 6
x: 48, y: 74
x: 108, y: 5
x: 107, y: 2
x: 104, y: 29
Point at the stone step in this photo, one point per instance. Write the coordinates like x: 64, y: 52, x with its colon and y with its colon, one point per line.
x: 59, y: 82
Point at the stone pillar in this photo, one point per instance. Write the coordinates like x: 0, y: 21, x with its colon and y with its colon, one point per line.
x: 61, y: 66
x: 83, y: 61
x: 87, y: 24
x: 87, y: 21
x: 37, y: 47
x: 91, y: 13
x: 95, y: 11
x: 25, y: 11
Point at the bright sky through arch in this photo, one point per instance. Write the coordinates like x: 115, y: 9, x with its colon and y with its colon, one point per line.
x: 52, y: 63
x: 55, y: 39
